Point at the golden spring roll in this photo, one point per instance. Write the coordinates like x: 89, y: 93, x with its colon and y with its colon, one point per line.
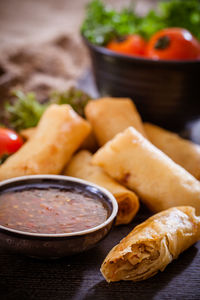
x: 59, y: 133
x: 89, y: 142
x: 28, y: 133
x: 183, y: 152
x: 158, y: 181
x: 80, y: 166
x: 109, y: 116
x: 152, y: 245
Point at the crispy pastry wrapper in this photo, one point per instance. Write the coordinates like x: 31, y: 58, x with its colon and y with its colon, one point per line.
x: 158, y: 181
x: 80, y: 166
x: 152, y: 245
x: 58, y: 135
x: 109, y: 116
x: 183, y: 152
x: 28, y: 133
x: 89, y: 142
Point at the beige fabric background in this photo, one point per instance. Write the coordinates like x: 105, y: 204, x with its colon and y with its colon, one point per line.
x: 40, y: 46
x: 24, y: 21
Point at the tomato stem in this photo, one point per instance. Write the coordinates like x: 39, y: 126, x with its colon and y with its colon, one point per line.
x: 162, y: 43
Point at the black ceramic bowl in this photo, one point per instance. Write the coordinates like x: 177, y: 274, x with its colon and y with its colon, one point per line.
x: 165, y: 92
x: 56, y: 245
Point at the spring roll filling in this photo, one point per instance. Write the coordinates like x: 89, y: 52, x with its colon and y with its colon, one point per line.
x: 144, y: 260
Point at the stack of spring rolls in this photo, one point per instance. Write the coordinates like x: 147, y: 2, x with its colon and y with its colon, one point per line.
x: 135, y: 161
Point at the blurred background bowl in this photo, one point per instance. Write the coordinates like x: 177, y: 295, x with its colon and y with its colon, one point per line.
x: 165, y: 92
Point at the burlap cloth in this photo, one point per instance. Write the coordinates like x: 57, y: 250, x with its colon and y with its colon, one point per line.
x: 53, y: 65
x: 40, y: 44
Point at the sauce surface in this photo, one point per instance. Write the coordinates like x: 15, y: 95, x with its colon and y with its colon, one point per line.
x: 50, y: 211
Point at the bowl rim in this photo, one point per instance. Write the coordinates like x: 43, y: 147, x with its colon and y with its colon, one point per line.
x: 65, y: 178
x: 103, y: 50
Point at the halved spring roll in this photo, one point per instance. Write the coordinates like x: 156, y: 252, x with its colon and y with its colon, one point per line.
x: 158, y: 181
x: 80, y: 166
x: 109, y: 116
x: 58, y: 135
x: 183, y: 152
x: 152, y: 245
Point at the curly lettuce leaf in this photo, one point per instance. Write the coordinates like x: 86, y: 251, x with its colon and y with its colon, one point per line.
x: 25, y: 111
x: 74, y: 97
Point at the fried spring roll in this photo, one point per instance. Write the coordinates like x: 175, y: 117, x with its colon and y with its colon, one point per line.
x: 158, y: 181
x: 109, y: 116
x: 152, y: 245
x: 183, y: 152
x: 28, y: 133
x: 80, y: 166
x: 89, y: 142
x: 58, y: 135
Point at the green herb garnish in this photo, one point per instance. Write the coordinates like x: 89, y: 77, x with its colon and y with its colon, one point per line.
x: 25, y: 111
x: 182, y: 13
x: 74, y: 97
x: 103, y: 24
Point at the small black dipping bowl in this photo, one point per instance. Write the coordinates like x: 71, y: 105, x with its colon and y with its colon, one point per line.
x: 56, y: 245
x: 165, y: 92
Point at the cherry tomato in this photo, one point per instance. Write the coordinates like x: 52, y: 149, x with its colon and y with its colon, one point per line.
x: 130, y: 45
x: 10, y: 141
x: 173, y: 44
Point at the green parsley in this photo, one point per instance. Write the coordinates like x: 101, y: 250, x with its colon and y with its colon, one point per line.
x: 102, y: 23
x: 25, y: 111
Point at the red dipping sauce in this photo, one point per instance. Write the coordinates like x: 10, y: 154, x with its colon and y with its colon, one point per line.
x: 50, y: 211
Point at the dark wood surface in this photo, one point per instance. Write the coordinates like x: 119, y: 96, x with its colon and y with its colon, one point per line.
x: 78, y: 276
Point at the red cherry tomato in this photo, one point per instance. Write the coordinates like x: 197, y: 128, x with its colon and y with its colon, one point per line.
x: 10, y: 141
x: 173, y: 44
x: 130, y: 45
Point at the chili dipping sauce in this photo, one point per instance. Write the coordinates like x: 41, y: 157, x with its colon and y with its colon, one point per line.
x: 50, y: 211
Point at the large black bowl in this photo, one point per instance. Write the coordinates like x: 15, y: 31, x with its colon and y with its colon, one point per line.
x: 56, y: 245
x: 165, y: 92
